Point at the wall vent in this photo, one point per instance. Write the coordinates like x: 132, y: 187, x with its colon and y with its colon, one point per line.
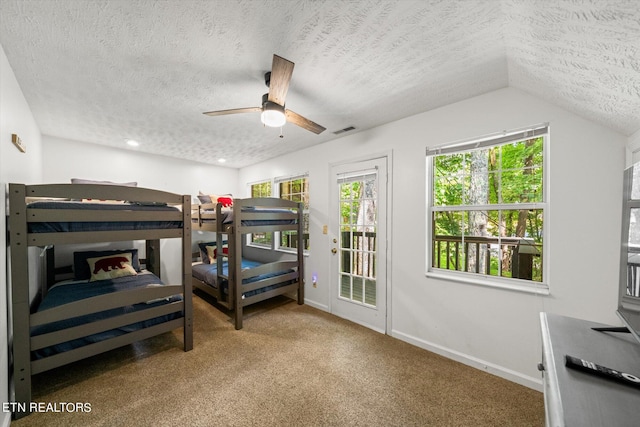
x: 347, y: 129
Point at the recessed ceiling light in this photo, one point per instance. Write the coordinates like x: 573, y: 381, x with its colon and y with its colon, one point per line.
x: 222, y: 160
x: 132, y: 143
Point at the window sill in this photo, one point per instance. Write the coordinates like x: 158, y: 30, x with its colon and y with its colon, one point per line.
x: 258, y: 246
x: 492, y: 282
x: 291, y: 251
x: 269, y: 248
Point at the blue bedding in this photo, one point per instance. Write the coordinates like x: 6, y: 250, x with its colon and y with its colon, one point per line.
x: 74, y: 291
x: 53, y: 227
x: 207, y: 273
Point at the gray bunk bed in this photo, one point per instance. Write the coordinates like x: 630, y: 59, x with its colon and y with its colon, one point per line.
x: 234, y: 281
x: 76, y: 327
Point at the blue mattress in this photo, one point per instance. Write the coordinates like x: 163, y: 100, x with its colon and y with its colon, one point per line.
x: 53, y: 227
x: 75, y: 291
x: 207, y: 273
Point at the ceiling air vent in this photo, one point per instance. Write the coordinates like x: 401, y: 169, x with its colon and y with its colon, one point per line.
x: 347, y: 129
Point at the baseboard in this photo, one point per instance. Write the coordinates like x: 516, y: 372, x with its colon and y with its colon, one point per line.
x: 317, y: 305
x: 500, y: 371
x: 474, y: 362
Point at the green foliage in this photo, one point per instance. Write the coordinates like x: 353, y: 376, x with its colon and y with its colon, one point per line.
x: 262, y: 189
x: 350, y: 199
x: 514, y: 176
x: 296, y: 190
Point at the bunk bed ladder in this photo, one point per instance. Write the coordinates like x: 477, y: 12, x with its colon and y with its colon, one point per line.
x: 235, y: 264
x: 20, y: 296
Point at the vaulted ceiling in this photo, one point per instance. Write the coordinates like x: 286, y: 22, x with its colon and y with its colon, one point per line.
x: 106, y: 71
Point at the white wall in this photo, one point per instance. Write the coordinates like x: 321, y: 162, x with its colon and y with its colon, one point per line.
x: 493, y: 329
x: 66, y: 159
x: 15, y: 117
x: 633, y: 152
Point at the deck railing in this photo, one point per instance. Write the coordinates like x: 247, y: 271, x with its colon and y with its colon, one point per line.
x: 359, y: 252
x: 290, y: 240
x: 633, y: 271
x: 474, y: 254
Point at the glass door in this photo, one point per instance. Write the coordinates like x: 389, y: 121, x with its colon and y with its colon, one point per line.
x: 359, y: 243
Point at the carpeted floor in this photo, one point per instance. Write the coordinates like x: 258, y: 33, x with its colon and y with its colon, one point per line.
x: 291, y: 365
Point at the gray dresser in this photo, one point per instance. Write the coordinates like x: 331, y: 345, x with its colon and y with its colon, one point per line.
x: 576, y: 398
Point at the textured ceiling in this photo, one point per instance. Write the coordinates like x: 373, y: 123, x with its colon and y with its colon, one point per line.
x: 106, y: 71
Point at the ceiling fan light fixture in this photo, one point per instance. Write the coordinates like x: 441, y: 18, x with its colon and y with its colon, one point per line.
x: 272, y: 114
x: 272, y: 109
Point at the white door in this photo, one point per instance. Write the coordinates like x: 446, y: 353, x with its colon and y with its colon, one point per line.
x: 359, y: 237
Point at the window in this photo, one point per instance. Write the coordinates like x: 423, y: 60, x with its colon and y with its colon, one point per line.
x: 261, y: 189
x: 487, y: 209
x: 295, y: 189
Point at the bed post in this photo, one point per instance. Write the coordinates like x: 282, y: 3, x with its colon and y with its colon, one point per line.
x: 20, y: 341
x: 235, y: 263
x: 152, y: 254
x: 219, y: 260
x: 186, y: 273
x: 300, y: 253
x: 50, y: 265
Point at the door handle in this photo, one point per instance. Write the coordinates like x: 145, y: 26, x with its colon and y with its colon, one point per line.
x: 334, y: 251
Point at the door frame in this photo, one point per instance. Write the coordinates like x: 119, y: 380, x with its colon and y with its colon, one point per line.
x: 388, y: 156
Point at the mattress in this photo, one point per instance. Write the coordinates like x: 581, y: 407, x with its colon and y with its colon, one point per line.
x: 53, y: 227
x: 67, y: 292
x: 227, y: 217
x: 207, y: 273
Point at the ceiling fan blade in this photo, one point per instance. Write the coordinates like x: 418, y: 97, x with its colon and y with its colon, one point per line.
x: 281, y: 71
x: 233, y: 111
x: 303, y: 122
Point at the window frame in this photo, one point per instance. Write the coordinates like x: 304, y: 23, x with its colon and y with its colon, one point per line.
x: 275, y: 192
x: 502, y: 138
x: 249, y: 238
x: 305, y: 211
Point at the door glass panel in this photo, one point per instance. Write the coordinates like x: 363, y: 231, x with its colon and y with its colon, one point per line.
x: 345, y: 286
x: 358, y: 220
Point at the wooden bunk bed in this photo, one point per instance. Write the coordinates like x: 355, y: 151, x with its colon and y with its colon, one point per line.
x: 260, y: 281
x: 63, y: 214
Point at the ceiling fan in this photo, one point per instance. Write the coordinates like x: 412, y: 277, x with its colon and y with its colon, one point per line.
x: 273, y: 113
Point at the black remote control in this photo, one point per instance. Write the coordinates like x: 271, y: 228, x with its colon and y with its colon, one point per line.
x: 603, y: 371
